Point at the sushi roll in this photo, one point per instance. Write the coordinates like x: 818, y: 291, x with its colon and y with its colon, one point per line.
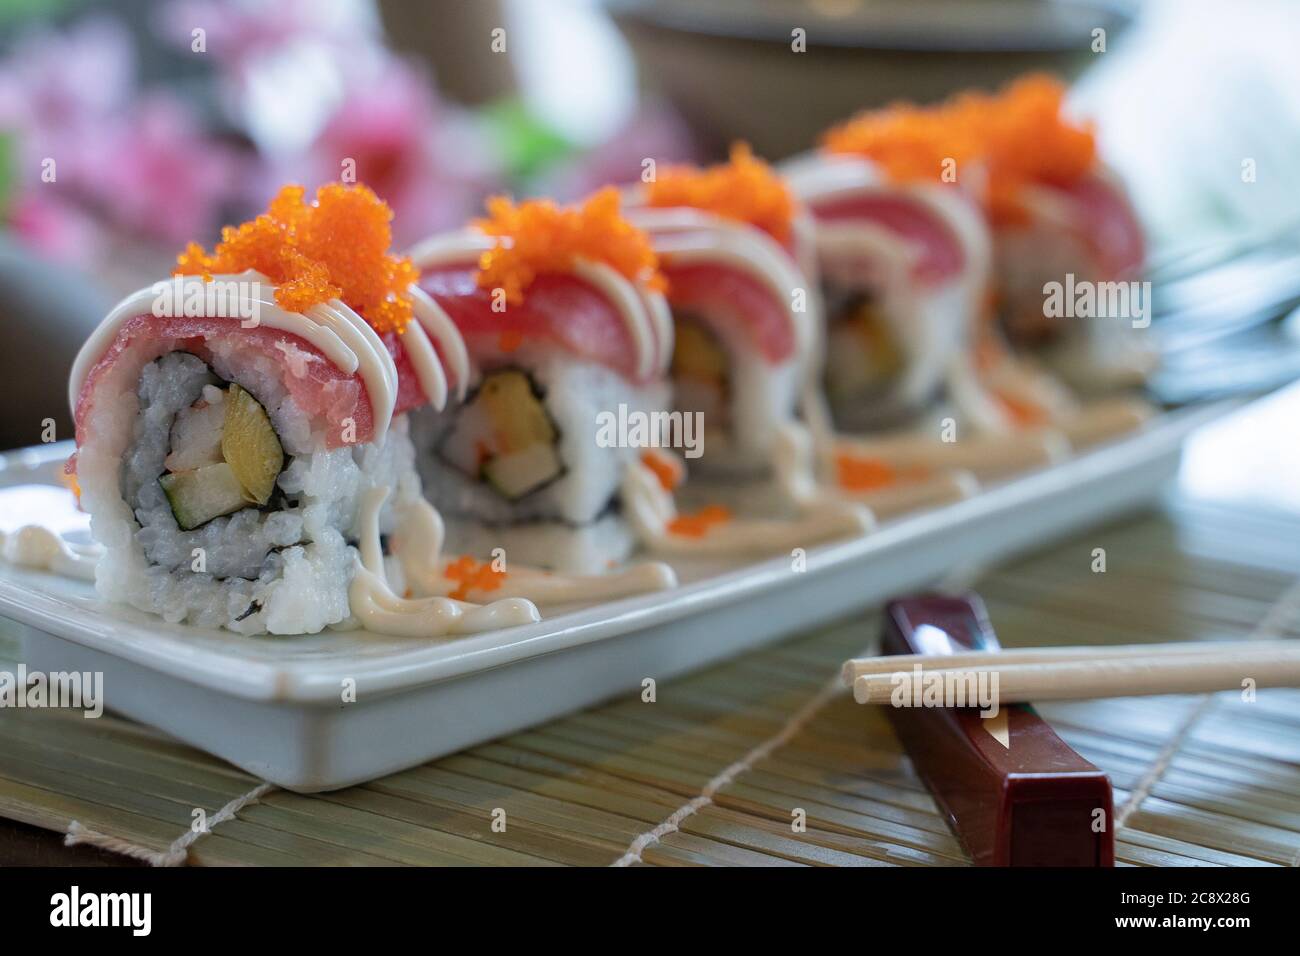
x: 904, y: 258
x: 241, y: 436
x: 568, y: 337
x: 746, y: 319
x: 1061, y: 220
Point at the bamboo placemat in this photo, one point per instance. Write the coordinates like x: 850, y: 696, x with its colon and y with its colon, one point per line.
x: 726, y: 762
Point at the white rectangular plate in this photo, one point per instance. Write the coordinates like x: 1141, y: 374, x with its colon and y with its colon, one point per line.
x: 275, y: 707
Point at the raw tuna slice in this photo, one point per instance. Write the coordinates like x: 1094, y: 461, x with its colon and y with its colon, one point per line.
x: 316, y: 384
x: 1104, y: 219
x: 940, y: 251
x: 562, y: 309
x: 749, y: 303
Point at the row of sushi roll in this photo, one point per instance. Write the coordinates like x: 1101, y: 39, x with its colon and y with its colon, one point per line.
x: 439, y: 442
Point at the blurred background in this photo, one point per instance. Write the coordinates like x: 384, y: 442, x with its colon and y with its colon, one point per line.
x: 128, y: 128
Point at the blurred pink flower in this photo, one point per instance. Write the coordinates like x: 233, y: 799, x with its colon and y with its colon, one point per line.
x: 160, y: 175
x: 59, y: 91
x: 63, y: 80
x: 418, y: 154
x: 54, y: 229
x: 238, y: 33
x: 122, y: 164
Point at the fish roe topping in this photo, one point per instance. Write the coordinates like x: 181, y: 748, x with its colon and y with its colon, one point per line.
x: 667, y: 471
x: 698, y: 524
x: 1027, y: 139
x: 538, y: 237
x: 858, y: 473
x: 1019, y: 136
x: 335, y: 247
x: 471, y: 575
x: 909, y: 143
x: 745, y: 189
x: 68, y: 478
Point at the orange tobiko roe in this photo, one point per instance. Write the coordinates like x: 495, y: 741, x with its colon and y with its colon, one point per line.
x: 539, y: 238
x: 697, y: 525
x: 333, y: 248
x: 1019, y: 135
x: 909, y: 143
x: 745, y: 189
x: 663, y: 470
x: 1027, y: 139
x: 858, y: 473
x: 863, y: 474
x: 471, y: 575
x: 68, y: 478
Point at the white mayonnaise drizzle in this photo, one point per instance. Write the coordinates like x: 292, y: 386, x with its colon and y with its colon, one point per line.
x: 795, y: 464
x: 819, y: 178
x: 661, y: 321
x: 462, y: 247
x: 804, y: 228
x: 934, y: 325
x: 644, y: 312
x: 815, y: 175
x: 685, y: 236
x: 43, y: 549
x: 374, y: 604
x: 332, y: 327
x: 649, y: 508
x: 973, y: 392
x: 437, y: 326
x: 338, y: 332
x: 631, y: 304
x: 546, y: 587
x: 417, y: 544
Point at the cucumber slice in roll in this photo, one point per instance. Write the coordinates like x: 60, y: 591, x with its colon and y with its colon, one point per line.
x: 201, y: 494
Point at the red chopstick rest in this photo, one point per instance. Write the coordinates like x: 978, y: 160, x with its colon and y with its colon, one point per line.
x: 1031, y: 802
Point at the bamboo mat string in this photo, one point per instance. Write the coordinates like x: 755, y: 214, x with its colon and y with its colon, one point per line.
x: 670, y: 824
x: 1163, y: 760
x: 179, y: 851
x: 1271, y: 626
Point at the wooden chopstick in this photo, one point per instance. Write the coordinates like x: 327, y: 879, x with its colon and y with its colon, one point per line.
x: 1122, y: 677
x: 891, y: 663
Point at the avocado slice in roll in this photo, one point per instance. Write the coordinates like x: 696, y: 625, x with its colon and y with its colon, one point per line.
x: 225, y: 457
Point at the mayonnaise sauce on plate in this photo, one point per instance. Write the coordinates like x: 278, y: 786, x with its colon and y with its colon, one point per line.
x: 377, y: 608
x: 43, y: 549
x: 418, y: 546
x: 650, y: 509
